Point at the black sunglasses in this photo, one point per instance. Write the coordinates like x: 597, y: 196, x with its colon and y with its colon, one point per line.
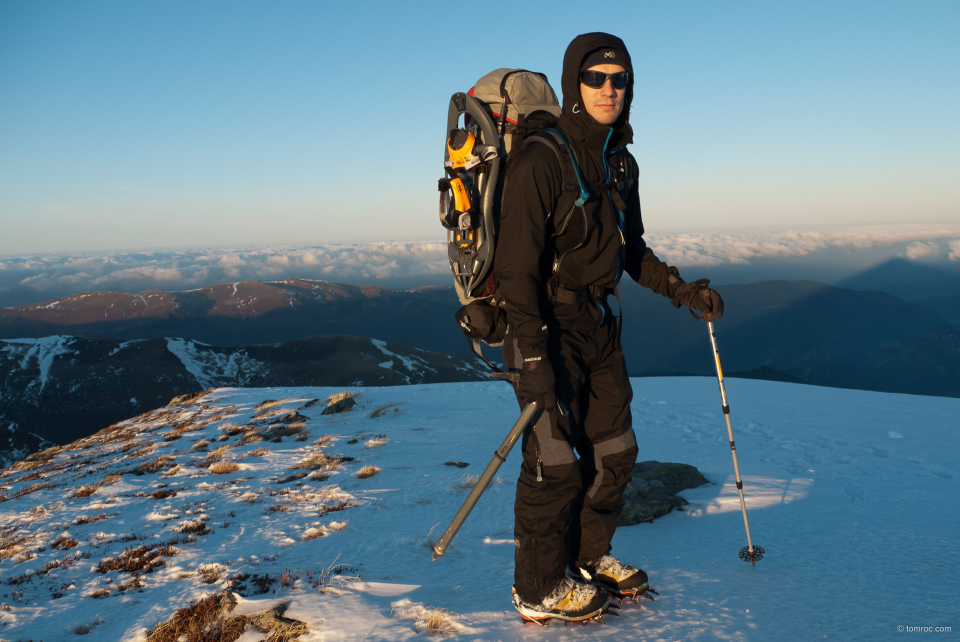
x: 597, y: 79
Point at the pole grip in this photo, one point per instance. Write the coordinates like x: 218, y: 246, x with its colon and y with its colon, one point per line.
x: 530, y: 413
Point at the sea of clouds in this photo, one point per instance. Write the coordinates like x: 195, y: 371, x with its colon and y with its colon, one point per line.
x: 33, y: 278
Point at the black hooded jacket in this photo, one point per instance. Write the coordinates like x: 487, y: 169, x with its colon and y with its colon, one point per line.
x: 546, y: 242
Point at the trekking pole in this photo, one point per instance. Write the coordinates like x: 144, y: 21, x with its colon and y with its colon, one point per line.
x: 526, y: 417
x: 748, y: 553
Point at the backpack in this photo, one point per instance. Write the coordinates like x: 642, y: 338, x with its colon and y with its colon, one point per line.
x: 499, y: 113
x: 504, y: 112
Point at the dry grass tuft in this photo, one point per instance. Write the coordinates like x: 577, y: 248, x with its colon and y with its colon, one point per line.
x: 27, y: 465
x: 376, y: 442
x: 304, y: 436
x: 231, y: 429
x: 153, y: 466
x: 15, y: 545
x: 210, y: 573
x: 258, y: 452
x: 31, y: 489
x: 436, y: 621
x: 468, y: 481
x: 314, y: 462
x: 170, y: 472
x: 83, y: 519
x: 138, y: 560
x: 205, y: 621
x: 100, y: 592
x: 323, y: 441
x: 368, y: 471
x: 267, y: 404
x: 64, y: 542
x: 382, y: 411
x: 333, y: 585
x: 223, y: 467
x: 251, y: 437
x: 201, y: 446
x: 312, y: 533
x: 282, y: 629
x: 84, y: 628
x: 130, y: 445
x: 90, y: 489
x: 85, y: 491
x: 197, y: 526
x: 214, y: 456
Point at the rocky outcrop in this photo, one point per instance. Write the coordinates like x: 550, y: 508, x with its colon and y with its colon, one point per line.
x: 652, y: 491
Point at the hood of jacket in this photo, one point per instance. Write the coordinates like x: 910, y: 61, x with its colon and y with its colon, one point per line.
x: 575, y: 120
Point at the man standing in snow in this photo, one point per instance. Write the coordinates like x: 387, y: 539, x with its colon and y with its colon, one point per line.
x: 560, y: 255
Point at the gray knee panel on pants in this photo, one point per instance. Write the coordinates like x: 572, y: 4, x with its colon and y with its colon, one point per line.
x: 617, y: 445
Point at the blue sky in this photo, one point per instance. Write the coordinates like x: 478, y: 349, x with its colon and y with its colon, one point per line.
x: 132, y: 125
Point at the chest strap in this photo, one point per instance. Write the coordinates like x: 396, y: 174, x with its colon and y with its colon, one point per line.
x: 560, y: 294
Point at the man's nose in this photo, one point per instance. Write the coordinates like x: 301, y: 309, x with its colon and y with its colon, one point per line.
x: 607, y: 89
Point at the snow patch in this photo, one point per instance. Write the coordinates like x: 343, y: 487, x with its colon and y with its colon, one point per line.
x: 815, y: 476
x: 413, y: 363
x: 207, y: 366
x: 44, y: 350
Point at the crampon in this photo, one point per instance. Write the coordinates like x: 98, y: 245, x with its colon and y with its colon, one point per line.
x: 633, y: 595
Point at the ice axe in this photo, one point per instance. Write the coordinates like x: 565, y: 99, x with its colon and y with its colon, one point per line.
x: 748, y: 553
x: 529, y: 415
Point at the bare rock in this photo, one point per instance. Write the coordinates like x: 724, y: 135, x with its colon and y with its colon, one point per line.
x: 652, y: 490
x: 340, y: 402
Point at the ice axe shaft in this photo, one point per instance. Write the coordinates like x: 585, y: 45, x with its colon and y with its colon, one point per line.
x: 529, y: 414
x: 749, y: 555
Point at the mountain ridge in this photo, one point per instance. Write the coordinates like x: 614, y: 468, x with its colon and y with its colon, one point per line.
x: 63, y: 388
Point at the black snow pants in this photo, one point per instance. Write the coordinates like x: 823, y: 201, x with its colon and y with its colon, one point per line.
x: 570, y: 514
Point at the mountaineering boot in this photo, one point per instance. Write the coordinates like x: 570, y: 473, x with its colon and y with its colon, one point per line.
x: 618, y: 579
x: 571, y: 601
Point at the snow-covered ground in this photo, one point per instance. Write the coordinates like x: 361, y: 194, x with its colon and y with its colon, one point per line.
x: 854, y: 496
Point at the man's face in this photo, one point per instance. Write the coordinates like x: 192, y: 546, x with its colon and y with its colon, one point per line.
x: 605, y: 103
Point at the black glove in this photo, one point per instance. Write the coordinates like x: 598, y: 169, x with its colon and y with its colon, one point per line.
x: 698, y: 296
x: 536, y: 383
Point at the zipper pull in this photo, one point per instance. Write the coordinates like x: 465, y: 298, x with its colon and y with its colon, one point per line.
x: 539, y: 471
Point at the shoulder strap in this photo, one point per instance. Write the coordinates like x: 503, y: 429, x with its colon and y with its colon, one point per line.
x: 558, y: 137
x: 540, y: 139
x: 556, y: 142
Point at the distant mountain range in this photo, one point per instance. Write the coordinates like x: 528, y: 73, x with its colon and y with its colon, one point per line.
x: 233, y: 314
x: 105, y: 355
x: 800, y: 331
x: 61, y: 388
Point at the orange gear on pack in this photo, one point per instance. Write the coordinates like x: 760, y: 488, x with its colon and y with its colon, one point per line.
x: 461, y: 200
x: 460, y: 148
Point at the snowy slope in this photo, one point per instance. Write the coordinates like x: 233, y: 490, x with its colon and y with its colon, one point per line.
x: 853, y: 495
